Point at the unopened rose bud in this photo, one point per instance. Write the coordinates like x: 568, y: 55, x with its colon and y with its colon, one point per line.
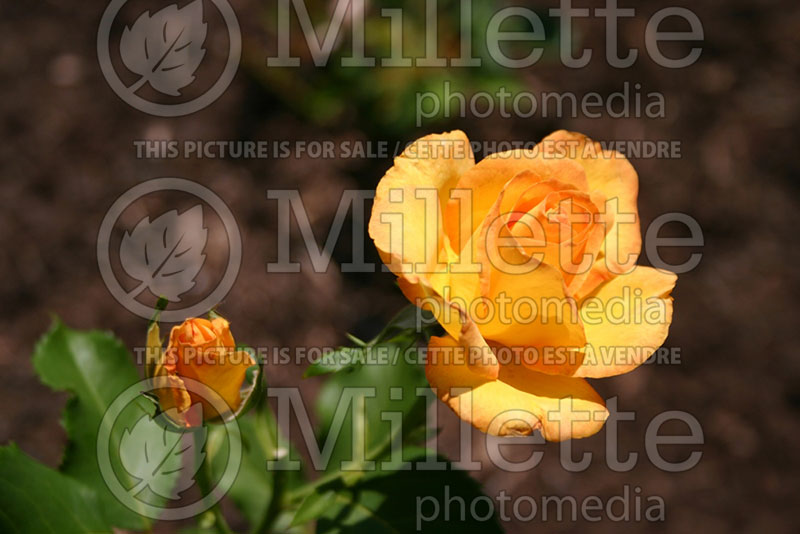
x: 203, y: 351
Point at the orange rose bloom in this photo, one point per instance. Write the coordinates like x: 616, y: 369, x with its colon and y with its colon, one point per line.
x: 204, y: 351
x: 528, y: 260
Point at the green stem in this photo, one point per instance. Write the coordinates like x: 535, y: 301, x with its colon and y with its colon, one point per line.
x: 268, y: 435
x: 274, y: 508
x: 220, y: 524
x: 375, y: 453
x: 204, y: 477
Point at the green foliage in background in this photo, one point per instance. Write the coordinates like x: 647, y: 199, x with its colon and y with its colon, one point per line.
x: 384, y: 99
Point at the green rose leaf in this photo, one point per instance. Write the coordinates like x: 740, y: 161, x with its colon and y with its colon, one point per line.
x: 36, y: 499
x: 254, y: 488
x: 400, y: 502
x: 95, y: 367
x: 390, y: 368
x: 165, y: 456
x: 409, y: 324
x: 314, y: 506
x: 342, y: 359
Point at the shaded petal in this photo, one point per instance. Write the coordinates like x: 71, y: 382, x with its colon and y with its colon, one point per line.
x: 518, y: 402
x: 489, y: 177
x: 222, y: 328
x: 223, y: 372
x: 444, y: 291
x: 625, y: 321
x: 511, y: 282
x: 173, y: 398
x: 611, y: 173
x: 430, y: 167
x: 480, y: 358
x: 569, y: 239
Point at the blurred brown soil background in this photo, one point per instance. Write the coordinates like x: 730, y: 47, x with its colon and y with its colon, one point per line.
x: 67, y: 153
